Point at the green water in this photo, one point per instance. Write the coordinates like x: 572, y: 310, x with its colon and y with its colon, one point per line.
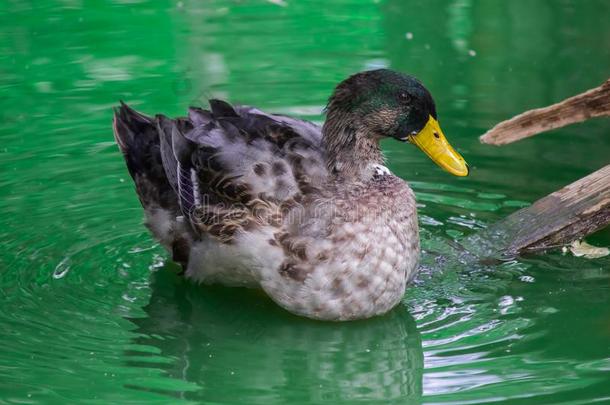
x: 93, y: 312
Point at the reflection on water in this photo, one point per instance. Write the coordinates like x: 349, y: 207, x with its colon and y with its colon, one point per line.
x: 236, y: 344
x: 93, y: 313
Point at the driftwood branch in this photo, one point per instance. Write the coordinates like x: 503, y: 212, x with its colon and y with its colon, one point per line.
x: 568, y: 214
x: 590, y: 104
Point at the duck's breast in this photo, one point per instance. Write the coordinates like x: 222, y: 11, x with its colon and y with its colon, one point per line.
x: 354, y: 259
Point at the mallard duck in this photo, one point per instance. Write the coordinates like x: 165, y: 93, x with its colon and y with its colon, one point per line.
x: 309, y: 214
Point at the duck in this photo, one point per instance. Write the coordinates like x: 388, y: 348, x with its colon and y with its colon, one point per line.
x: 310, y: 214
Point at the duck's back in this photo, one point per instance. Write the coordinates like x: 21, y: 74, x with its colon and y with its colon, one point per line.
x: 215, y: 175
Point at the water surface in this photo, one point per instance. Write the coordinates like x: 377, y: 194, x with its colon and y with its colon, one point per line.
x: 92, y: 310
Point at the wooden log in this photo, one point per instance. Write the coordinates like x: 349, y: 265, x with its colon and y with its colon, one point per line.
x: 558, y: 219
x: 590, y: 104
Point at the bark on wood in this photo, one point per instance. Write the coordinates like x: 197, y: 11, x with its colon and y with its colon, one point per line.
x: 568, y: 214
x: 592, y: 103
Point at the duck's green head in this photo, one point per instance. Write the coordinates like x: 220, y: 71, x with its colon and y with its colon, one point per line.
x: 385, y: 103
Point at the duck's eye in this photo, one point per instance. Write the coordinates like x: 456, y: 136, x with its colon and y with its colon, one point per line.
x: 404, y: 97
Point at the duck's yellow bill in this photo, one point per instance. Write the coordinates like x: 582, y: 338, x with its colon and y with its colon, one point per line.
x: 433, y: 143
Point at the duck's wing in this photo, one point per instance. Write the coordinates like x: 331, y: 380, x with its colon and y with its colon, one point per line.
x: 225, y: 169
x: 246, y: 167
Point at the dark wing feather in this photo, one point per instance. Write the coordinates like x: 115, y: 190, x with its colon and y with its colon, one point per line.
x: 222, y: 109
x: 149, y: 154
x: 228, y: 168
x: 170, y: 164
x: 138, y: 139
x: 188, y: 192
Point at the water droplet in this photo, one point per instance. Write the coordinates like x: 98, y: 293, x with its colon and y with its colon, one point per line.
x: 157, y: 263
x: 62, y: 268
x: 409, y: 36
x: 527, y: 279
x: 128, y: 298
x: 506, y: 300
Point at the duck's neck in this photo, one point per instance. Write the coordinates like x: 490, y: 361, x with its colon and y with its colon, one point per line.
x: 351, y: 151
